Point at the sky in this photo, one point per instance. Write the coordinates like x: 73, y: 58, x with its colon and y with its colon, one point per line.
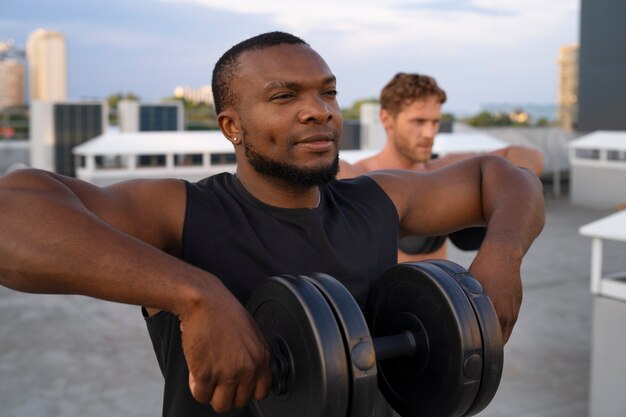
x: 480, y: 51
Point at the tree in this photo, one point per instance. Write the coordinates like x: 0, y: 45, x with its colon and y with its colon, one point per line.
x: 354, y: 111
x: 113, y: 101
x: 485, y: 118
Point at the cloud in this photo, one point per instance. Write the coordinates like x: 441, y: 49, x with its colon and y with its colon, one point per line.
x: 478, y: 48
x: 8, y: 24
x: 452, y: 25
x: 115, y: 38
x: 454, y: 6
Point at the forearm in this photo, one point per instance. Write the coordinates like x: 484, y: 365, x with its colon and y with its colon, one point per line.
x: 512, y: 201
x: 53, y: 244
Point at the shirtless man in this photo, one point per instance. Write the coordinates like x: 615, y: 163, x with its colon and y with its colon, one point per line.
x: 192, y: 253
x: 410, y: 113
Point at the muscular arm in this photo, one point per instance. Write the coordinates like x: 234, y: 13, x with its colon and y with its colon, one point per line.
x: 61, y: 235
x: 525, y: 157
x: 485, y: 190
x: 66, y: 236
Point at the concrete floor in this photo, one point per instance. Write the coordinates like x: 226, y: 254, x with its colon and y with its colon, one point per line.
x: 72, y: 356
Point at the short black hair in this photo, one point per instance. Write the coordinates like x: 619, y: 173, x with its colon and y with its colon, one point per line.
x: 227, y: 66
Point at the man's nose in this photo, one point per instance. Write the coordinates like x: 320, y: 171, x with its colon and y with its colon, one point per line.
x: 430, y: 130
x: 317, y: 110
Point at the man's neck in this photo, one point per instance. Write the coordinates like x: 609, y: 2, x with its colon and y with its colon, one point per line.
x: 390, y: 158
x: 277, y: 193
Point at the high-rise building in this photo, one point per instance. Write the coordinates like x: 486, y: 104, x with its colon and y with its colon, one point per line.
x: 602, y: 66
x: 11, y: 83
x: 134, y: 116
x: 203, y: 94
x: 11, y: 75
x: 57, y: 127
x: 567, y: 94
x: 47, y: 65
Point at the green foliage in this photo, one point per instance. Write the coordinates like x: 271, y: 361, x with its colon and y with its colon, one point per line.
x: 514, y: 119
x: 354, y: 111
x: 113, y: 100
x: 485, y: 118
x: 14, y: 122
x: 198, y: 115
x: 543, y: 122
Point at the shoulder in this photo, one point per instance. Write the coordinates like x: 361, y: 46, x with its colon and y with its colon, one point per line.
x: 358, y: 196
x: 348, y: 170
x: 358, y: 190
x: 151, y: 210
x: 220, y: 188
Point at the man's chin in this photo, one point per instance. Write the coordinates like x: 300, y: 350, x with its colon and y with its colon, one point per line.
x: 297, y: 175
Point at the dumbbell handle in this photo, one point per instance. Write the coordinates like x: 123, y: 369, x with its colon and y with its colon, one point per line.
x: 399, y: 345
x: 280, y: 366
x: 386, y: 347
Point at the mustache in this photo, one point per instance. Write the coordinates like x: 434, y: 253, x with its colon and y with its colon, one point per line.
x: 329, y: 133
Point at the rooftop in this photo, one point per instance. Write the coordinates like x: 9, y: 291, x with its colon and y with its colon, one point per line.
x: 114, y: 142
x: 601, y: 139
x: 74, y: 356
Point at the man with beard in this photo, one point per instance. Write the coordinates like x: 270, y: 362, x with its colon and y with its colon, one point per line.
x: 192, y: 253
x: 410, y: 112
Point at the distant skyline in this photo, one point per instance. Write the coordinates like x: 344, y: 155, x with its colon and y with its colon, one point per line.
x: 480, y: 51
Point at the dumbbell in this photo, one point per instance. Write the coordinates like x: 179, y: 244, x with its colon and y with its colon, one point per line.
x: 431, y: 344
x: 415, y: 245
x: 468, y: 239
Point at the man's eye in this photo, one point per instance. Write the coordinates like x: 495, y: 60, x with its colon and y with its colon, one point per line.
x: 282, y: 96
x: 331, y: 92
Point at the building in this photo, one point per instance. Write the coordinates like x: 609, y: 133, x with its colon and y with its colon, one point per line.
x: 203, y: 94
x: 116, y: 156
x: 47, y: 65
x: 134, y: 116
x: 598, y: 170
x: 57, y: 127
x: 567, y: 94
x: 602, y: 68
x: 11, y: 83
x: 13, y: 154
x: 11, y: 76
x: 372, y: 132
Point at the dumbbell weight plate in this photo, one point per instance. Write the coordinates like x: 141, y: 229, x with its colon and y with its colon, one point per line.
x: 357, y: 341
x: 414, y: 245
x: 296, y: 313
x: 491, y: 333
x: 468, y: 239
x: 443, y: 377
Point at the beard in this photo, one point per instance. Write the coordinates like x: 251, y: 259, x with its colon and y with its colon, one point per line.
x: 291, y: 174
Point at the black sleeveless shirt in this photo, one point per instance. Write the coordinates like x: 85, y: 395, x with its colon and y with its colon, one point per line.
x: 352, y: 235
